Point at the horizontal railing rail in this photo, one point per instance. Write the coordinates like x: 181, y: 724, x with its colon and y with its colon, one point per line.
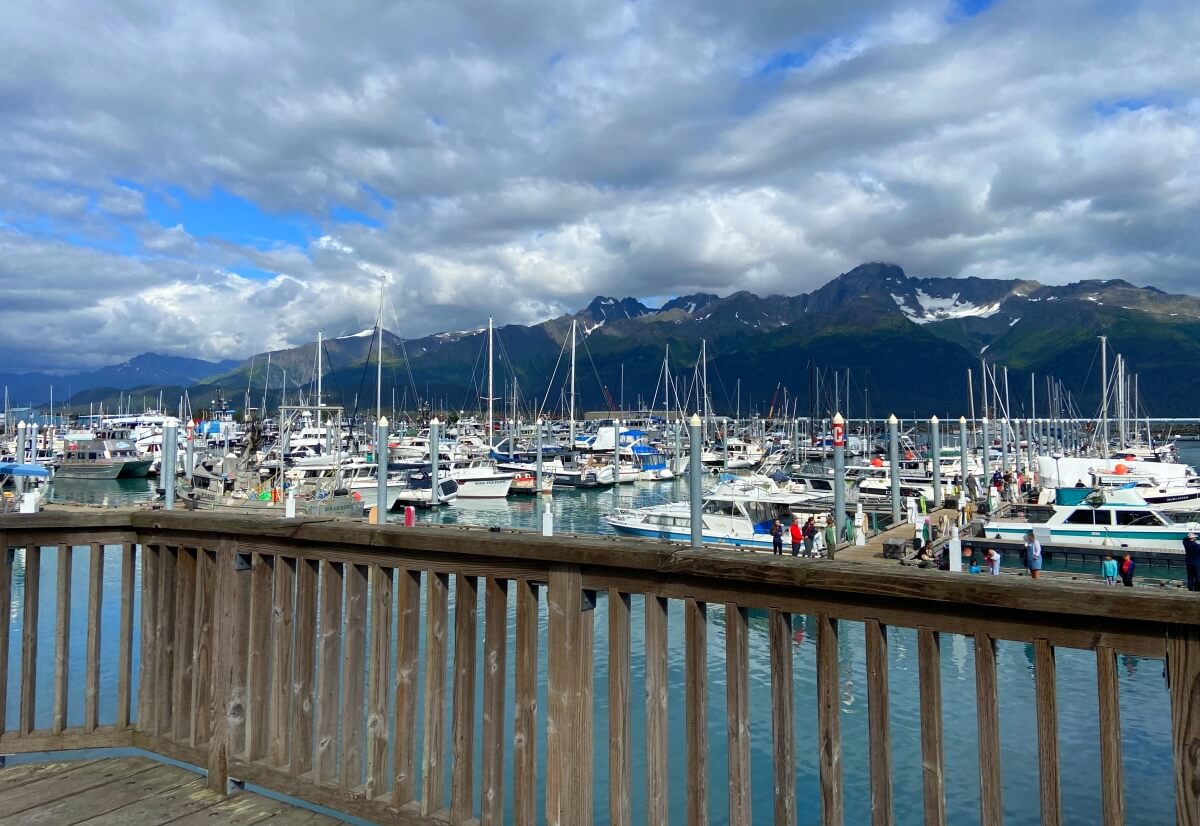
x: 321, y: 659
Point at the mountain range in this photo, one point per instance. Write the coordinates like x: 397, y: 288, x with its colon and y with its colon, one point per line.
x: 907, y: 344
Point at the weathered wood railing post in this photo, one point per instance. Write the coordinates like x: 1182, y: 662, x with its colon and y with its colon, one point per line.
x: 228, y: 678
x: 569, y: 741
x: 1183, y: 673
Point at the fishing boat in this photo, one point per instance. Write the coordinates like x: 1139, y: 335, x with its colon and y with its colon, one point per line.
x: 1119, y: 519
x: 102, y: 459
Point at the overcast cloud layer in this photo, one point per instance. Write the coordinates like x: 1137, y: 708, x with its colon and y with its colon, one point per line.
x: 218, y: 178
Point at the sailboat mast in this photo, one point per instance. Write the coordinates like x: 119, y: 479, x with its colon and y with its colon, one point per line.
x: 319, y: 376
x: 704, y: 388
x: 491, y: 394
x: 379, y: 360
x: 1104, y: 394
x: 571, y: 424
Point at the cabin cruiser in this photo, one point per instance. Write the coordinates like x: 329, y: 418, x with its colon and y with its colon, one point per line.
x: 1169, y: 486
x: 1093, y: 517
x: 102, y: 459
x: 735, y: 514
x: 418, y: 490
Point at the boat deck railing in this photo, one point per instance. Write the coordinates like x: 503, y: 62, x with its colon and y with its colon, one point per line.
x: 303, y: 656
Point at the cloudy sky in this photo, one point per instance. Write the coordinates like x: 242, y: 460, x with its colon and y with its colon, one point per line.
x: 218, y: 178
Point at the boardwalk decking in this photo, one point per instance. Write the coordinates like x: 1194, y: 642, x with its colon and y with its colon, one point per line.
x: 131, y: 791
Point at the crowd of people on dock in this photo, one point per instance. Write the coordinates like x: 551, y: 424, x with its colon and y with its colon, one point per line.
x: 1111, y: 569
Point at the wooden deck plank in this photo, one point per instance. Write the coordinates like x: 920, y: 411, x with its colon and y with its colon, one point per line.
x: 130, y: 791
x: 76, y: 778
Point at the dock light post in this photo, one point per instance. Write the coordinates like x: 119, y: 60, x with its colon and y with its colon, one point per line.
x: 616, y: 452
x: 694, y: 482
x: 964, y: 455
x: 839, y: 476
x: 381, y: 502
x: 1004, y: 445
x: 1029, y: 438
x: 435, y: 452
x: 935, y: 448
x: 538, y: 476
x: 894, y: 457
x: 987, y: 449
x: 21, y: 431
x: 166, y: 464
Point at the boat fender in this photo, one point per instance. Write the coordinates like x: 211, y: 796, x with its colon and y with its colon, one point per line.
x: 341, y: 492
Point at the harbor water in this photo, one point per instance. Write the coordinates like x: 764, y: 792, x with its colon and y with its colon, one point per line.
x: 1145, y: 723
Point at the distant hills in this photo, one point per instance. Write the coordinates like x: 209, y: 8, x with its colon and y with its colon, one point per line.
x: 907, y: 343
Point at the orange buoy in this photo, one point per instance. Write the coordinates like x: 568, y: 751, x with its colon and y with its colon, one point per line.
x: 876, y: 462
x: 1120, y: 470
x: 908, y: 454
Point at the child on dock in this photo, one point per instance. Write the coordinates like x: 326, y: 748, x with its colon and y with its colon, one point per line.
x: 1108, y: 568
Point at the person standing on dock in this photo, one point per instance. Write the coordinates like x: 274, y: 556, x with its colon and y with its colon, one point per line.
x: 1191, y: 553
x: 1108, y: 568
x: 810, y: 536
x: 1127, y: 568
x: 777, y: 537
x: 992, y: 557
x: 797, y: 537
x: 1033, y: 555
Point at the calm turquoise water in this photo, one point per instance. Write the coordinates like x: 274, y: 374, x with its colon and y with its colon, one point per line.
x: 1144, y: 701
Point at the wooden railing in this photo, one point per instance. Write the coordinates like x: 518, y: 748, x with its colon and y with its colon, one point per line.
x: 265, y: 654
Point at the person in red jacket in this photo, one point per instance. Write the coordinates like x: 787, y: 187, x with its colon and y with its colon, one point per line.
x: 797, y: 537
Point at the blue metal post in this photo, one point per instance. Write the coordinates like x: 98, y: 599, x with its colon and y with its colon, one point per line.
x: 435, y: 450
x: 894, y: 456
x: 935, y: 448
x: 381, y: 453
x: 166, y: 465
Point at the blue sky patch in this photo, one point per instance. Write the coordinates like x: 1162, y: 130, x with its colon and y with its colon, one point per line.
x: 221, y: 214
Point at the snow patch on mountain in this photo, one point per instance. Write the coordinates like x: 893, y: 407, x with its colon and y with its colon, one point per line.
x: 939, y: 308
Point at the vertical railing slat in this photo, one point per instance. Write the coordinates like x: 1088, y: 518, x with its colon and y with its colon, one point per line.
x: 148, y: 655
x: 203, y: 650
x: 165, y: 640
x: 695, y: 712
x: 1047, y: 724
x: 329, y: 680
x: 5, y: 625
x: 879, y: 730
x: 91, y: 692
x: 620, y: 735
x: 933, y: 761
x: 1112, y: 783
x: 29, y: 639
x: 408, y: 649
x: 783, y: 740
x: 988, y: 722
x: 829, y: 739
x: 462, y: 769
x: 238, y: 637
x: 433, y: 780
x: 657, y: 747
x: 1183, y: 675
x: 304, y: 657
x: 185, y: 672
x: 377, y: 680
x: 737, y: 685
x: 258, y: 677
x: 283, y: 609
x: 495, y: 649
x: 62, y: 638
x: 125, y: 641
x: 525, y: 683
x: 354, y: 676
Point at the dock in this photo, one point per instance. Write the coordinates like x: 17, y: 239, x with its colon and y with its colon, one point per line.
x: 128, y: 791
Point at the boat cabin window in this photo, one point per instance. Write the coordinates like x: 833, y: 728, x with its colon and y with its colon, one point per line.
x: 1083, y: 516
x: 1138, y: 518
x: 92, y: 456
